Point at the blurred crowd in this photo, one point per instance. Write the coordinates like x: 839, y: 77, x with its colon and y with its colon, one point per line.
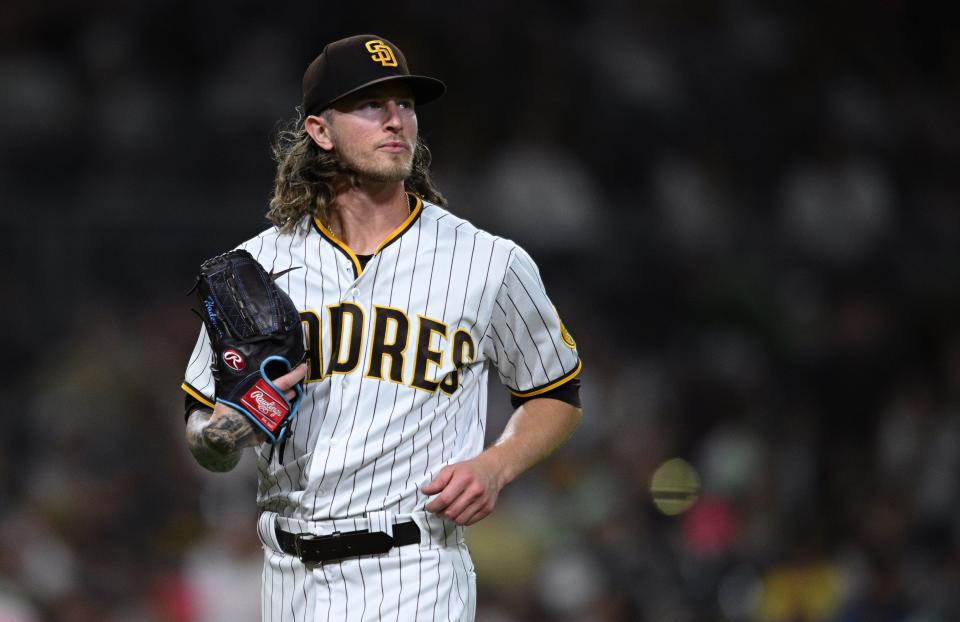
x: 746, y: 214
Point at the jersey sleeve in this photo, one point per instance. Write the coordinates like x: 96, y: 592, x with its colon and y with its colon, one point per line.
x: 198, y: 379
x: 526, y: 341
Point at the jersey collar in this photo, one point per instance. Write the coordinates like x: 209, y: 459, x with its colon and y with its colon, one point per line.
x: 416, y: 208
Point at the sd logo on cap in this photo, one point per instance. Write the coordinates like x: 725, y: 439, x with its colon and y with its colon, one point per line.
x: 348, y: 65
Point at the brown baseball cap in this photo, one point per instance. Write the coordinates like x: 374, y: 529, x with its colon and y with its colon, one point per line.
x: 348, y: 65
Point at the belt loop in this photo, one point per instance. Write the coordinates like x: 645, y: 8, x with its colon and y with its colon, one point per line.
x: 380, y: 521
x: 267, y: 530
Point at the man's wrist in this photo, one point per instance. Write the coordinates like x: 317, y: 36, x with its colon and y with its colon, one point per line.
x: 497, y: 459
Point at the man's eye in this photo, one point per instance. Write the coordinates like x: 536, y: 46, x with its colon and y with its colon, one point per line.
x: 374, y: 105
x: 405, y: 103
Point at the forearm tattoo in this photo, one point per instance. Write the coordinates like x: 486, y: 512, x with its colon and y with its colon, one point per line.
x: 210, y: 456
x: 230, y: 432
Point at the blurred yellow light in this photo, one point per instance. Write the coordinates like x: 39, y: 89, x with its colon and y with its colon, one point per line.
x: 674, y: 486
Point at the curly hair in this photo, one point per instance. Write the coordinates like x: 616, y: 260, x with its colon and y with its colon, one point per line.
x: 305, y: 174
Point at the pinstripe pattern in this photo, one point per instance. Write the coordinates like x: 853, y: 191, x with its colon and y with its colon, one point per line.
x: 363, y: 445
x: 428, y: 584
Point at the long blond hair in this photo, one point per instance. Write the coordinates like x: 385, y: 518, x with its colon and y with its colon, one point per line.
x: 305, y: 174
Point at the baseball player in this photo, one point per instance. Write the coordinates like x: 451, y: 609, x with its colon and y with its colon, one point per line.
x: 405, y: 308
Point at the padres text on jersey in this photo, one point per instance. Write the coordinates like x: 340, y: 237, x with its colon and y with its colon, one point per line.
x: 398, y: 354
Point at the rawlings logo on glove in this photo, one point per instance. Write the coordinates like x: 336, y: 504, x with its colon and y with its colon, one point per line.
x: 268, y: 407
x: 256, y: 336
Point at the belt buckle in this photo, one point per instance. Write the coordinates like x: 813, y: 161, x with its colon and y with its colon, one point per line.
x: 309, y: 537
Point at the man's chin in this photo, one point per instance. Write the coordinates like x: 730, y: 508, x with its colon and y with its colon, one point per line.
x: 385, y: 176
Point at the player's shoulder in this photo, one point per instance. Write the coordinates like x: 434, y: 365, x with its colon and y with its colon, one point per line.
x: 450, y: 224
x: 272, y: 240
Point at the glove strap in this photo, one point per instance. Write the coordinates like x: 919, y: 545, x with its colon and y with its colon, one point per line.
x: 265, y: 405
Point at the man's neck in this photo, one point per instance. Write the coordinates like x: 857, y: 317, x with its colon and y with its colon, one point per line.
x: 363, y: 216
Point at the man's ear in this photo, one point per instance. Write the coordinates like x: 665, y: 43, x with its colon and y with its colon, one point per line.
x: 319, y: 130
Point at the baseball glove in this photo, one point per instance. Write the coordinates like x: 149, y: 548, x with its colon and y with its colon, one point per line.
x: 256, y: 337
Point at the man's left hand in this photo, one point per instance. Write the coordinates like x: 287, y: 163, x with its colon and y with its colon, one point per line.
x: 466, y: 491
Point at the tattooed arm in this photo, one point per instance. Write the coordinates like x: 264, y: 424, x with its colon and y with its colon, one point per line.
x: 216, y: 438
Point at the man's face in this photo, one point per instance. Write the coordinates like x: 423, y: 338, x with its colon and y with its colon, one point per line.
x: 375, y: 131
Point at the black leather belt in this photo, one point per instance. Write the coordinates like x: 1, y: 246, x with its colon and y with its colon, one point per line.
x: 312, y: 549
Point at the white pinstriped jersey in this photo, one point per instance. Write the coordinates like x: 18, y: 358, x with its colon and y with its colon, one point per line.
x: 399, y: 352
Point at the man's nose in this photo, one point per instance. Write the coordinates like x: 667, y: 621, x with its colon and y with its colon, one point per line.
x: 394, y: 118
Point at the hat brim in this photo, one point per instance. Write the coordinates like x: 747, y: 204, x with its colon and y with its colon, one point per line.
x: 425, y: 89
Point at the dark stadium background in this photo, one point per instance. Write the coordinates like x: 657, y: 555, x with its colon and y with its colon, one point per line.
x: 747, y: 214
